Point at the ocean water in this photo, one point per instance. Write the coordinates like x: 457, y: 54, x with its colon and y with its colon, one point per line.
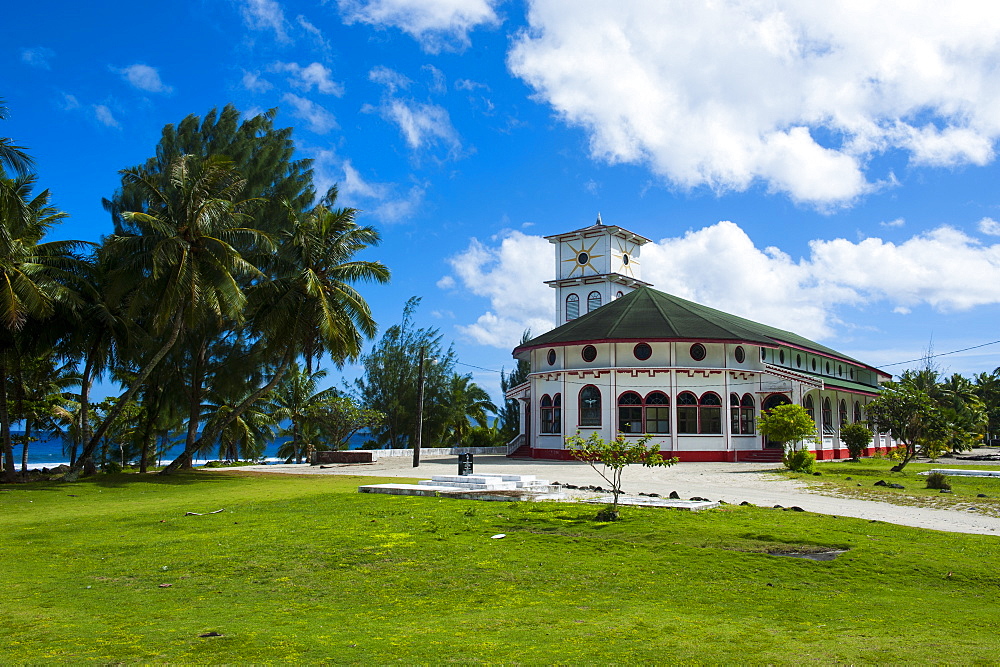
x: 48, y: 452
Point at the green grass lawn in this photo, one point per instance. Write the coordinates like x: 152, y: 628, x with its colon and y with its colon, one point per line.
x: 305, y: 570
x: 857, y: 479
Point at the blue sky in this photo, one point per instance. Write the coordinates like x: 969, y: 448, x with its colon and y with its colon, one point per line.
x: 829, y: 169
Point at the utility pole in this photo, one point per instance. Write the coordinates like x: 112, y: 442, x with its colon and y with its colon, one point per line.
x: 420, y: 410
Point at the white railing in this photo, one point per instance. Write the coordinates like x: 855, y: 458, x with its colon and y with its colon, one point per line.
x: 514, y: 444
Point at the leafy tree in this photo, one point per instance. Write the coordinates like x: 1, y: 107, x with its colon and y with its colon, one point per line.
x: 987, y: 388
x: 613, y: 456
x: 907, y: 413
x: 294, y: 399
x: 390, y: 378
x: 856, y: 437
x: 337, y: 418
x: 466, y: 405
x: 488, y: 435
x: 786, y: 424
x: 510, y: 410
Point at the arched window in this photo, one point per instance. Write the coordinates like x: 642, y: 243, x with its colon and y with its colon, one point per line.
x: 810, y: 408
x: 734, y: 414
x: 545, y: 415
x: 593, y: 301
x: 630, y: 412
x: 843, y: 413
x: 710, y: 413
x: 748, y: 420
x: 590, y: 406
x: 657, y: 413
x: 619, y: 294
x: 572, y: 307
x: 687, y: 413
x: 827, y: 416
x: 857, y: 412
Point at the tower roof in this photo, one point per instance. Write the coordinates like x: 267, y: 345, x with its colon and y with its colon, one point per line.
x: 596, y: 229
x: 646, y: 314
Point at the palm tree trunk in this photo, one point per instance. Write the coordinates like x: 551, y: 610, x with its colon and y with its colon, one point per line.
x: 194, y: 405
x: 211, y: 433
x: 85, y: 384
x: 24, y: 446
x: 9, y: 472
x: 138, y: 382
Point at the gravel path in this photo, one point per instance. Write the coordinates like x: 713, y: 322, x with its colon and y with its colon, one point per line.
x: 731, y: 482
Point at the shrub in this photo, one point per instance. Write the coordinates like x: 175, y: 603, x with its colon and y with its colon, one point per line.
x: 111, y: 467
x: 799, y: 460
x: 938, y: 480
x: 856, y: 437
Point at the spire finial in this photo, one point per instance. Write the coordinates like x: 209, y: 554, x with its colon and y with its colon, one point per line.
x: 599, y: 221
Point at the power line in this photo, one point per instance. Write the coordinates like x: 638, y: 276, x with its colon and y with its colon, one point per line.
x: 941, y: 354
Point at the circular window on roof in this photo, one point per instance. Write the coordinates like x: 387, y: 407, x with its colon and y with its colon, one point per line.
x: 763, y: 354
x: 589, y: 353
x: 814, y: 364
x: 698, y: 352
x: 798, y: 360
x: 852, y: 373
x: 642, y: 351
x: 582, y: 258
x: 551, y: 357
x: 828, y: 368
x: 781, y: 356
x: 840, y: 370
x: 625, y: 259
x: 739, y: 354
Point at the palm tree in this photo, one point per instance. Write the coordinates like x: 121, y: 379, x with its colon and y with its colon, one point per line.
x: 179, y: 255
x: 292, y: 401
x: 311, y: 306
x: 35, y: 276
x: 12, y: 157
x: 40, y: 388
x: 466, y: 405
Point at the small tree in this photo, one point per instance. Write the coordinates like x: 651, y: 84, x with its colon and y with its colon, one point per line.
x: 908, y: 414
x: 857, y: 437
x: 614, y: 456
x: 786, y: 424
x: 338, y: 418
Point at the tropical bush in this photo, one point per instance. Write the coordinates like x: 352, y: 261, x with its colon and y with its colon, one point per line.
x: 856, y: 437
x: 799, y: 460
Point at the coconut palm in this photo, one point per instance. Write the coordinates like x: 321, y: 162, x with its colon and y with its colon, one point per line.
x: 178, y: 254
x: 13, y: 158
x: 35, y: 276
x: 310, y: 307
x: 466, y: 405
x: 292, y: 401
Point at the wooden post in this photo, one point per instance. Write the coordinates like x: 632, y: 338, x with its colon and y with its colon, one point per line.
x: 420, y: 411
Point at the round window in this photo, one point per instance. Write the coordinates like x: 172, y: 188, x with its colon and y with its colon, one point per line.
x: 798, y: 360
x: 840, y: 370
x: 551, y: 357
x: 625, y: 260
x: 852, y: 373
x: 642, y: 351
x: 763, y: 354
x: 589, y: 353
x: 582, y: 258
x: 698, y: 352
x: 814, y: 364
x: 828, y: 368
x: 781, y: 356
x: 739, y: 354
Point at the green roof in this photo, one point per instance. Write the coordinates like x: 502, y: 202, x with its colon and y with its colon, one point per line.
x: 646, y: 314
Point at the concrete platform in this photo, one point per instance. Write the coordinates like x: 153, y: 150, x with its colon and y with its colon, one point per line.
x: 957, y: 472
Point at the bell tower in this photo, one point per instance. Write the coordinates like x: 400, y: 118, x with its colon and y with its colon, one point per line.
x: 594, y: 265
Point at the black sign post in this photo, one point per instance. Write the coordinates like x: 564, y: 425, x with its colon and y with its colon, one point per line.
x: 465, y: 464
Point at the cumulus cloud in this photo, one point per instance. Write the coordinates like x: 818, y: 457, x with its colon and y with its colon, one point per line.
x: 989, y: 226
x: 265, y: 15
x: 38, y: 56
x: 319, y: 119
x: 944, y: 269
x: 386, y: 202
x: 313, y: 75
x: 897, y: 222
x: 423, y: 125
x: 144, y: 78
x: 437, y: 24
x: 104, y: 116
x: 255, y: 84
x: 793, y: 96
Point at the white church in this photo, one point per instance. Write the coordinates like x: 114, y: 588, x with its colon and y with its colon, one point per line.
x: 626, y: 358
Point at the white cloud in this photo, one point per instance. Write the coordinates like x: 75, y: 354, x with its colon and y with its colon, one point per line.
x: 795, y: 96
x: 944, y: 269
x: 389, y: 78
x: 437, y: 24
x: 253, y: 82
x: 265, y: 15
x: 69, y: 102
x: 319, y: 119
x: 989, y: 226
x: 37, y: 56
x: 313, y: 32
x: 422, y: 125
x: 313, y: 75
x: 104, y: 116
x: 386, y: 202
x: 144, y: 78
x: 898, y: 222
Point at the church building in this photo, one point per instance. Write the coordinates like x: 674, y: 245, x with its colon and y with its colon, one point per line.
x: 626, y: 358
